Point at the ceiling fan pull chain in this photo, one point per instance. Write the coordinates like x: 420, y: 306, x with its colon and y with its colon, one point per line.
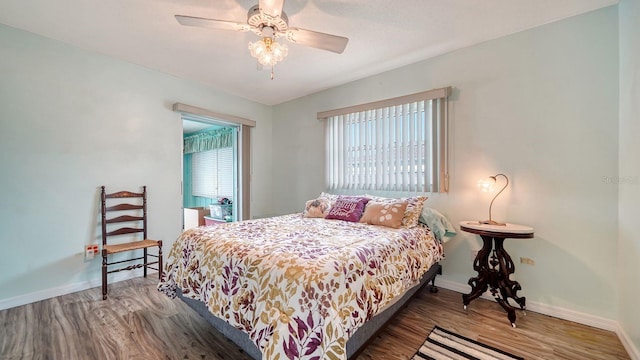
x: 271, y: 72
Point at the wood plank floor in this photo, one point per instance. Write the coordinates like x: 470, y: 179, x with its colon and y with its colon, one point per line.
x: 138, y: 322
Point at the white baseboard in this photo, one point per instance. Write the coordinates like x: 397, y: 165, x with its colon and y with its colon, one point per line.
x: 561, y: 313
x: 67, y: 289
x: 633, y: 352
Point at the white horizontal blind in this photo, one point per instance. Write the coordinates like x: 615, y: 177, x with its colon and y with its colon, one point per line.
x: 212, y: 173
x: 395, y: 148
x: 225, y: 173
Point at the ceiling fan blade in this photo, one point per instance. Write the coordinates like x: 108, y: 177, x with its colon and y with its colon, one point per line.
x: 318, y: 40
x: 271, y: 7
x: 212, y: 23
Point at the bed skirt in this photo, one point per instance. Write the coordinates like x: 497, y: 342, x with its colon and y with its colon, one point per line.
x: 355, y: 344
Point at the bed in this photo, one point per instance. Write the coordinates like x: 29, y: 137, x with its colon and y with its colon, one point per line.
x: 297, y: 287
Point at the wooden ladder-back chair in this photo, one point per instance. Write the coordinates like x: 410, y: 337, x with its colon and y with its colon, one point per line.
x: 133, y: 215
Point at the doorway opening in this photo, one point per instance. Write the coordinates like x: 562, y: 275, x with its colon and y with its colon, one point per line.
x: 241, y: 150
x: 210, y: 170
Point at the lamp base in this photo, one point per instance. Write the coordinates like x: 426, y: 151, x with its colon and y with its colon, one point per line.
x: 491, y: 222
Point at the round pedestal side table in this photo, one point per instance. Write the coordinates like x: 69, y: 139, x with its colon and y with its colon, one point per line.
x: 494, y: 265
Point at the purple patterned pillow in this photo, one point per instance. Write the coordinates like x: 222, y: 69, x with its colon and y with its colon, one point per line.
x: 347, y: 208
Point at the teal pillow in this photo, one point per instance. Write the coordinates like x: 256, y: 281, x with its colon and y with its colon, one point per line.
x: 440, y: 226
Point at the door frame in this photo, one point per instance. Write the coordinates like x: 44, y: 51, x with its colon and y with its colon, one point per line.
x: 243, y: 186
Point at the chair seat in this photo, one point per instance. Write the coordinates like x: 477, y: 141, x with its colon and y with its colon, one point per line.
x: 134, y: 245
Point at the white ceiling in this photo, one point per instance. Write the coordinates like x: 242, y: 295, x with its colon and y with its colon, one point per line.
x: 383, y: 35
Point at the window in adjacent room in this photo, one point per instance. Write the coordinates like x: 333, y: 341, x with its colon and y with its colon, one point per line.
x: 212, y: 173
x: 395, y: 145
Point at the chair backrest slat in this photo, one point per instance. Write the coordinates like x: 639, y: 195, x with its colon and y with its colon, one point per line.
x: 124, y: 230
x: 123, y: 194
x: 124, y: 218
x: 121, y: 207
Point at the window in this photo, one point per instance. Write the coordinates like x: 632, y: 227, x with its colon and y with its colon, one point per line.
x: 392, y: 145
x: 212, y: 173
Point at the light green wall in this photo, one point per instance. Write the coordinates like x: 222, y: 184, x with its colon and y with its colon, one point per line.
x: 540, y: 106
x: 72, y: 120
x: 629, y: 174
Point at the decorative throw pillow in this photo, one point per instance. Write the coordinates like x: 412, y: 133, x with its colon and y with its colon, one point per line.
x: 413, y: 210
x: 316, y: 208
x: 331, y: 197
x: 347, y: 208
x: 387, y: 214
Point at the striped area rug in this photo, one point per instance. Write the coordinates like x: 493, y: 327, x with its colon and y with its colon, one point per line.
x: 443, y: 344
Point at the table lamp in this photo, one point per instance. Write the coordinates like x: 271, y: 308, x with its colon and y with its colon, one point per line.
x: 487, y: 186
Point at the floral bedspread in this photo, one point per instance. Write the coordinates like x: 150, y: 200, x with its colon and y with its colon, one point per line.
x: 298, y: 286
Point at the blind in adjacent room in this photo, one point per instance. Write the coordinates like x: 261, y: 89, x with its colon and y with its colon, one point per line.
x: 397, y: 145
x: 212, y: 173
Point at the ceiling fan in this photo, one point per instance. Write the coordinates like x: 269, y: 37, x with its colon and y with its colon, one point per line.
x: 269, y: 21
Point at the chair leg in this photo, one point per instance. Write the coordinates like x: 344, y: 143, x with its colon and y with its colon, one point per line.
x: 160, y: 268
x: 104, y: 275
x: 144, y: 271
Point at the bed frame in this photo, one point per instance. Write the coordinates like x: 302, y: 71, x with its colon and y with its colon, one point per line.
x: 355, y: 345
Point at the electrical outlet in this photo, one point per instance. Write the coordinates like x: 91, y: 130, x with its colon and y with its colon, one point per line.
x: 90, y: 251
x: 528, y: 261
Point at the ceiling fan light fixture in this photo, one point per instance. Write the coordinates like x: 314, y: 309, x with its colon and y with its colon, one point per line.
x: 268, y: 52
